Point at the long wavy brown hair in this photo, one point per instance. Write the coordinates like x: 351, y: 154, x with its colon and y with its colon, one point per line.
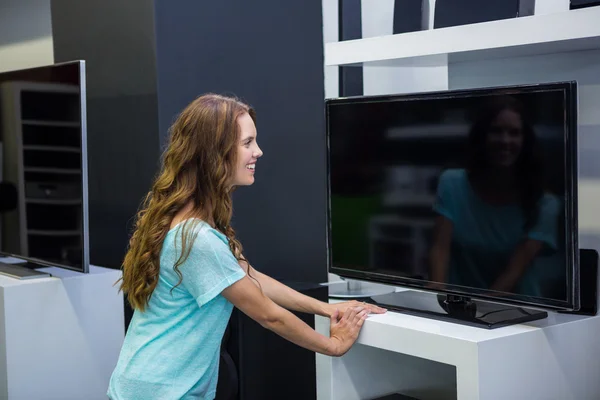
x: 198, y: 165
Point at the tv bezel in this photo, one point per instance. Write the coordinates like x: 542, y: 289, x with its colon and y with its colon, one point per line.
x: 85, y: 260
x: 571, y: 158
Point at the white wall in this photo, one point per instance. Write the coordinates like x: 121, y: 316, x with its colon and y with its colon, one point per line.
x: 411, y: 76
x: 25, y: 34
x: 330, y: 34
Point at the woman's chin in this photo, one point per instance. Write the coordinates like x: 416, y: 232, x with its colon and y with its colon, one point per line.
x: 245, y: 182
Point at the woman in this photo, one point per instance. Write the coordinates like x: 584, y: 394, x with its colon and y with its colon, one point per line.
x: 184, y: 269
x: 494, y: 218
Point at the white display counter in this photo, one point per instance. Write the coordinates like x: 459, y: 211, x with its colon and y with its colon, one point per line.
x: 557, y: 358
x: 60, y: 336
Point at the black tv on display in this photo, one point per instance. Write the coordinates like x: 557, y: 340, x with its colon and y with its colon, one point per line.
x: 43, y: 173
x: 466, y: 198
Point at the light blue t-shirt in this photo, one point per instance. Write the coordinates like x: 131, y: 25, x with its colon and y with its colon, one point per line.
x: 485, y: 236
x: 171, y: 350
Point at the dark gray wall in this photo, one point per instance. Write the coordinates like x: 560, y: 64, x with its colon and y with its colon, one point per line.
x: 269, y: 53
x: 148, y: 59
x: 116, y: 38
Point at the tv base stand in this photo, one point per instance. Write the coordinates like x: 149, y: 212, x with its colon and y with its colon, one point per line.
x: 351, y: 289
x: 457, y: 309
x: 22, y: 270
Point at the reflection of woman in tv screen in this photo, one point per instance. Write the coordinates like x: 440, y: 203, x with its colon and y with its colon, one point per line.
x: 494, y: 217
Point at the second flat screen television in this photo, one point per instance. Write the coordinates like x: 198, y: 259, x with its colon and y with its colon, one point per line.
x: 43, y: 169
x: 469, y: 193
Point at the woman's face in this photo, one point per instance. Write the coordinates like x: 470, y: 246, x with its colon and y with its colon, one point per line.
x: 248, y: 152
x: 504, y: 139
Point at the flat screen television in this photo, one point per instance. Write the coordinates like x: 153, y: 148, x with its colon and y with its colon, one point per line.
x: 461, y: 195
x: 43, y: 185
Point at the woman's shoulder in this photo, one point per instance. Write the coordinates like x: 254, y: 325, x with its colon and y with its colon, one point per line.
x: 453, y: 176
x: 454, y: 173
x: 202, y: 233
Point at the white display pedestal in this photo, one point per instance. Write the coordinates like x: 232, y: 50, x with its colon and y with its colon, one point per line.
x: 557, y: 358
x: 60, y: 337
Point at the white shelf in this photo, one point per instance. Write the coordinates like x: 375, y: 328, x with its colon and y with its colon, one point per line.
x: 41, y: 232
x: 432, y: 131
x: 61, y: 149
x: 553, y: 358
x: 539, y: 34
x: 402, y: 199
x: 59, y: 202
x: 392, y: 219
x: 56, y: 124
x: 47, y: 170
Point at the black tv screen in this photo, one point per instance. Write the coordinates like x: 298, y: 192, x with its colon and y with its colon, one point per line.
x: 471, y: 192
x: 43, y: 185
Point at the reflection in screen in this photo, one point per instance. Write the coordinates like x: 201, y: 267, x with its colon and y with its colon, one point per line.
x: 465, y: 191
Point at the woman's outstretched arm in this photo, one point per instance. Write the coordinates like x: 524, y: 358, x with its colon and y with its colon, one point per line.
x: 290, y: 299
x: 249, y: 299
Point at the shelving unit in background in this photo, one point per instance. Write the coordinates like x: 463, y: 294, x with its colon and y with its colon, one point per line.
x: 42, y: 156
x: 559, y: 46
x: 561, y: 32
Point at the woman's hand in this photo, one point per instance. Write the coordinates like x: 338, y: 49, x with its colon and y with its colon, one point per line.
x: 344, y: 329
x: 342, y: 307
x: 519, y: 262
